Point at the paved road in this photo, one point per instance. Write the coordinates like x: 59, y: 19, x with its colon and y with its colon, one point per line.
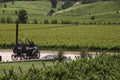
x: 6, y: 54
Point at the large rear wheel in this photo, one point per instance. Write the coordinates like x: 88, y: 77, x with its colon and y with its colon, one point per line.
x: 36, y: 54
x: 16, y: 57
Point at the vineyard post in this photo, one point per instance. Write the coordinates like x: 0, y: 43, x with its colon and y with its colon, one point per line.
x: 33, y: 66
x: 20, y: 69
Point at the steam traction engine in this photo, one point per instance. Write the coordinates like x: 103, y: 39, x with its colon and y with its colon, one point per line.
x: 24, y: 50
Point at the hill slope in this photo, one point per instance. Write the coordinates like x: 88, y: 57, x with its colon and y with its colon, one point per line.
x: 103, y: 11
x: 35, y: 9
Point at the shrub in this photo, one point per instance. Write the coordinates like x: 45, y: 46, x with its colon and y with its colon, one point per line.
x: 60, y: 56
x: 67, y: 4
x: 89, y: 13
x: 114, y: 23
x: 92, y: 17
x: 51, y: 12
x: 77, y: 23
x: 3, y: 20
x: 54, y: 21
x: 66, y: 22
x: 5, y: 6
x: 13, y: 2
x: 9, y: 20
x: 35, y: 21
x: 83, y: 52
x: 16, y: 12
x: 46, y: 22
x: 117, y: 11
x: 109, y: 23
x: 83, y: 23
x: 94, y: 23
x: 3, y: 11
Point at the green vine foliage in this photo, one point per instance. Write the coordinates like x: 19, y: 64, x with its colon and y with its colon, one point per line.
x: 103, y: 67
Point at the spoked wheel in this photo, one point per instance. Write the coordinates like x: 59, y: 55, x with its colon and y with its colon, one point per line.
x: 36, y: 54
x: 14, y: 57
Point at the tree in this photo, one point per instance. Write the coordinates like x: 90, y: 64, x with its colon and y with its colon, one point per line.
x: 92, y: 17
x: 54, y: 3
x: 22, y: 16
x: 13, y: 1
x: 87, y: 1
x: 5, y: 6
x: 3, y: 11
x: 16, y: 12
x: 67, y: 4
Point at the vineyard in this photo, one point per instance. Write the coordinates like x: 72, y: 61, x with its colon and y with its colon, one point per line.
x: 67, y: 37
x: 92, y: 30
x: 103, y: 67
x: 23, y: 65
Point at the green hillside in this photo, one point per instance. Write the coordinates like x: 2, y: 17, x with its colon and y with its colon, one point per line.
x: 104, y: 11
x: 93, y: 8
x: 35, y: 9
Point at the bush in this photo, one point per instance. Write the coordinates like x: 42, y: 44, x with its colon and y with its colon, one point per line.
x: 3, y: 11
x: 35, y: 21
x: 83, y: 52
x: 114, y: 23
x: 60, y: 56
x: 89, y: 13
x: 13, y: 2
x: 46, y: 22
x: 109, y: 23
x: 87, y: 1
x: 3, y: 20
x: 66, y: 22
x: 16, y: 12
x: 54, y: 21
x: 9, y: 20
x: 77, y: 23
x: 117, y: 11
x: 92, y: 17
x: 5, y: 6
x: 94, y: 23
x: 67, y: 4
x: 51, y: 12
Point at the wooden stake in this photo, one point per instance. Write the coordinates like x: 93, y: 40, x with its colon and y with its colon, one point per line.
x: 33, y: 66
x: 20, y: 69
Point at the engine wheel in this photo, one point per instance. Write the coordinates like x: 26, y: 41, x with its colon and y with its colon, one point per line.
x: 14, y: 57
x: 36, y: 54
